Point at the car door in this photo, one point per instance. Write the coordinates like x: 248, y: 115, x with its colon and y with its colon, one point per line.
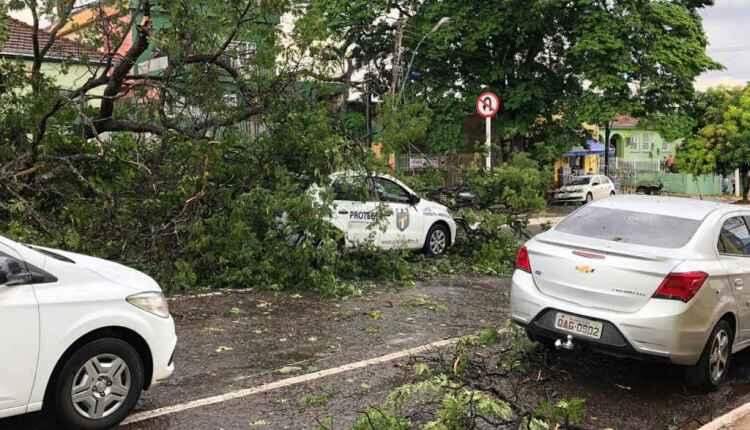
x: 404, y: 222
x: 734, y: 252
x: 19, y: 333
x: 599, y: 186
x: 355, y: 210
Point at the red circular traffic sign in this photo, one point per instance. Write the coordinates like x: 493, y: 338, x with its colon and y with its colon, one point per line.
x: 489, y: 105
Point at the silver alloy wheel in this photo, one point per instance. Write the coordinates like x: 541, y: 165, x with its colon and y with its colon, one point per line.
x: 438, y: 241
x: 717, y: 362
x: 101, y: 386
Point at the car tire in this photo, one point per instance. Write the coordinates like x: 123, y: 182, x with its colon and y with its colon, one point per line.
x: 108, y: 376
x: 438, y: 240
x: 713, y: 366
x: 611, y: 193
x: 589, y: 198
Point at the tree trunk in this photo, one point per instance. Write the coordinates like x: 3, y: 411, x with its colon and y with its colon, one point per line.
x: 745, y: 182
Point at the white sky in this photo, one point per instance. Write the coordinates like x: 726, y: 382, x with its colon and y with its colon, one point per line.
x: 726, y: 24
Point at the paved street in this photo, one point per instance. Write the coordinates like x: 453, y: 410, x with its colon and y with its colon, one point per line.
x: 233, y: 342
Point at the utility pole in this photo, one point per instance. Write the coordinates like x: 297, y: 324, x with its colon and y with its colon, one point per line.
x: 607, y: 131
x: 398, y: 52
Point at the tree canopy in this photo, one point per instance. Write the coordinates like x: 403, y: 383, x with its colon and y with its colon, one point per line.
x: 722, y: 140
x: 564, y: 63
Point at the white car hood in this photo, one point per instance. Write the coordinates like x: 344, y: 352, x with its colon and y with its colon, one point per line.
x: 113, y: 272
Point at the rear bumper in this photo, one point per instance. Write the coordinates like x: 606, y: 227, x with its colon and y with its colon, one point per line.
x: 578, y: 197
x: 663, y: 330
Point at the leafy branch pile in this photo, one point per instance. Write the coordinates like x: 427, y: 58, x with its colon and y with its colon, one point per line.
x: 479, y: 386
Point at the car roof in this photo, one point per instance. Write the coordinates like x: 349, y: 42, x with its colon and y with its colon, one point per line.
x: 661, y: 205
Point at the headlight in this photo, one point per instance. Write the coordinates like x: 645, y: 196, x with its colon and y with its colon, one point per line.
x: 153, y: 303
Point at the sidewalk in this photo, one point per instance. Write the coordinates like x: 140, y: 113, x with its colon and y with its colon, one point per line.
x: 738, y: 419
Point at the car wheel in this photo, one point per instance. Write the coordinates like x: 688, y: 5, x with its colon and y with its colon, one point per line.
x: 437, y: 241
x: 611, y: 193
x: 713, y: 366
x: 98, y: 385
x: 589, y: 198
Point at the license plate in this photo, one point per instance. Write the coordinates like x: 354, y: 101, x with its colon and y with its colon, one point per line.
x: 578, y: 325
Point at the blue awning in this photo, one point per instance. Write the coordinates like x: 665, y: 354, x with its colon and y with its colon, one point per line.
x: 594, y: 148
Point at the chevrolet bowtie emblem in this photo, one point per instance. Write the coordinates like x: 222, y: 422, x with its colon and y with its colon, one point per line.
x: 585, y: 269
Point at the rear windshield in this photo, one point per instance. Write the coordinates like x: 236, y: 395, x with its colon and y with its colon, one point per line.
x: 638, y: 228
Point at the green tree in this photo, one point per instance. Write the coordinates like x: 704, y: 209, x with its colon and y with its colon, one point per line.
x: 555, y: 63
x: 723, y: 142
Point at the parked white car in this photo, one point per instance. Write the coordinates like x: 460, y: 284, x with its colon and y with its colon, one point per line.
x: 81, y: 336
x: 650, y: 277
x: 585, y: 189
x: 383, y: 211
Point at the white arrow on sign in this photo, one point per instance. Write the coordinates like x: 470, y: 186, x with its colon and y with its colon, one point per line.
x: 488, y: 105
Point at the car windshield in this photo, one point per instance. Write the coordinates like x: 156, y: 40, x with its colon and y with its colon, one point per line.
x: 580, y: 180
x: 625, y: 226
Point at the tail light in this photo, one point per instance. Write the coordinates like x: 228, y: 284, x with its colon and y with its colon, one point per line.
x: 681, y: 286
x: 522, y: 260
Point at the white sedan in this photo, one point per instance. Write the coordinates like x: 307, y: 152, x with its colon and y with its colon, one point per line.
x: 81, y: 337
x: 650, y: 277
x: 383, y: 211
x: 585, y: 189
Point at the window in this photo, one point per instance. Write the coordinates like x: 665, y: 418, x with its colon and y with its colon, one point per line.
x: 352, y: 188
x: 734, y: 238
x: 579, y: 180
x: 389, y: 191
x: 664, y: 147
x: 632, y: 142
x: 14, y: 271
x: 638, y: 228
x: 241, y: 53
x: 645, y: 146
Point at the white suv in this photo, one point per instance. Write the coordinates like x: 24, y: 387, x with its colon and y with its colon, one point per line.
x: 81, y: 336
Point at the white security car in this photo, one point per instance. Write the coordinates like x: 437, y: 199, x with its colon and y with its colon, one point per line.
x: 584, y: 189
x: 382, y: 210
x: 650, y: 277
x: 82, y: 337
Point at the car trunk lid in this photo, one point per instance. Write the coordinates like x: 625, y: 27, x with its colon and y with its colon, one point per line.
x: 594, y: 273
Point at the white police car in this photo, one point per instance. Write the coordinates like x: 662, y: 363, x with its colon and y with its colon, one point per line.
x: 383, y: 211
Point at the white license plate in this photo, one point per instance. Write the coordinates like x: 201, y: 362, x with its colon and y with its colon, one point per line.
x: 578, y: 325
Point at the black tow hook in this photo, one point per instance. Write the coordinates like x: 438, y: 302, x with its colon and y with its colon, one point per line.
x: 566, y: 344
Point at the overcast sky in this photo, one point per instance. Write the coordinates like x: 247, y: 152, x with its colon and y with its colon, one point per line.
x: 727, y: 25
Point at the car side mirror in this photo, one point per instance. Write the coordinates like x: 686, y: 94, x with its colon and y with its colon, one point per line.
x: 414, y: 199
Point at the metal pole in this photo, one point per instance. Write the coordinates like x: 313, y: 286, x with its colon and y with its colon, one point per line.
x: 368, y: 113
x: 488, y: 144
x: 606, y: 148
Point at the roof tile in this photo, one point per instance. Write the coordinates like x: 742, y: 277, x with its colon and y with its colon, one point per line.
x: 19, y: 43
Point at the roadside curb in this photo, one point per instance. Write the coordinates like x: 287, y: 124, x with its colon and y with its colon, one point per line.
x: 729, y: 420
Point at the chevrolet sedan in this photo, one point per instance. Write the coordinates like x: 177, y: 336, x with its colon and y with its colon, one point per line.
x: 646, y: 277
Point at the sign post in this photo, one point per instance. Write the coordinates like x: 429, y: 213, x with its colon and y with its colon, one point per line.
x: 488, y: 106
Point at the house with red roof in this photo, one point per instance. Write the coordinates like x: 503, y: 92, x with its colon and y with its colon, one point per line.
x: 68, y: 62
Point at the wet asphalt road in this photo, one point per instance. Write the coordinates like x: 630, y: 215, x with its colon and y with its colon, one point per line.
x: 241, y: 340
